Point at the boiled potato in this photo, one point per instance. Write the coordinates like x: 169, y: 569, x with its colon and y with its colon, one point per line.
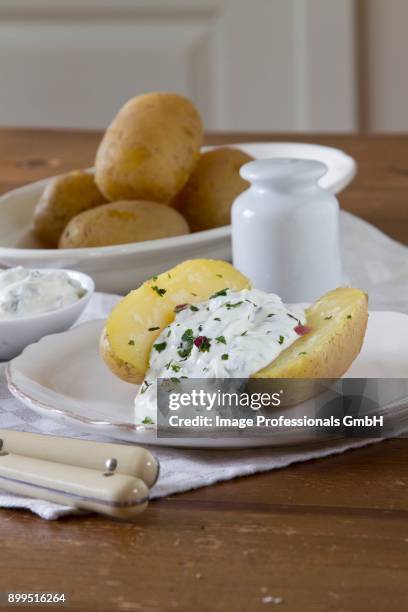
x: 207, y: 198
x: 122, y: 222
x: 64, y: 197
x: 336, y: 324
x: 150, y: 149
x: 138, y: 319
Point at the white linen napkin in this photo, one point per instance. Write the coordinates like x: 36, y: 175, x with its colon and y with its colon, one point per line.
x: 372, y: 261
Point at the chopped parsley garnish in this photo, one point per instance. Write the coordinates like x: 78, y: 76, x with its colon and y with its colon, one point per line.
x: 145, y: 388
x: 159, y: 290
x: 131, y: 343
x: 221, y: 339
x: 160, y: 347
x: 293, y: 317
x: 328, y: 318
x: 188, y: 336
x: 234, y: 305
x: 219, y: 275
x: 168, y: 333
x: 225, y: 357
x: 220, y: 293
x: 187, y: 339
x: 303, y: 353
x: 281, y: 339
x: 174, y: 379
x: 154, y: 278
x: 205, y: 346
x: 194, y: 308
x: 168, y: 274
x: 195, y: 295
x: 200, y: 328
x: 272, y: 314
x: 175, y: 367
x: 153, y: 328
x: 147, y: 421
x: 217, y: 319
x: 349, y: 317
x: 244, y: 333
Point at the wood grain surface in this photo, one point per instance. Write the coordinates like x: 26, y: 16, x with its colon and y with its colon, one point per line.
x: 327, y: 535
x: 379, y: 193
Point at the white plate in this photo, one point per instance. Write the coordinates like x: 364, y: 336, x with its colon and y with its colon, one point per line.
x: 118, y: 269
x: 63, y: 377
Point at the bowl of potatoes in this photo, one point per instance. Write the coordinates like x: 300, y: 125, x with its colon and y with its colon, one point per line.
x: 155, y: 197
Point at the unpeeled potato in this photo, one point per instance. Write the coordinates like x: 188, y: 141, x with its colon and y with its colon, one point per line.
x: 64, y: 197
x: 207, y: 198
x: 150, y: 149
x: 121, y: 223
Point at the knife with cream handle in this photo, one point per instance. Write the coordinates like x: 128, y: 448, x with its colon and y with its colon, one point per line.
x: 104, y: 491
x: 132, y: 460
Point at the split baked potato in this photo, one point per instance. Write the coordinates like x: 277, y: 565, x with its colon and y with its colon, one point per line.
x: 336, y: 323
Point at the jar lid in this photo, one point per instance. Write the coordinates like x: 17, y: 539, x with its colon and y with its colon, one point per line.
x: 283, y: 170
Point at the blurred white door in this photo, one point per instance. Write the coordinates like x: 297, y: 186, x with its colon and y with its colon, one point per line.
x: 384, y: 51
x: 248, y: 64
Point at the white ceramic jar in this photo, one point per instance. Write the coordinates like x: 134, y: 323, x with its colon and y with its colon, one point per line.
x: 285, y: 229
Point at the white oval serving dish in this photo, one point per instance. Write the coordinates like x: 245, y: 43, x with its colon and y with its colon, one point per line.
x: 16, y: 334
x: 118, y: 269
x: 63, y: 377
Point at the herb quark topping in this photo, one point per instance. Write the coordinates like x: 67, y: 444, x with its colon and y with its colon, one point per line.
x: 232, y: 334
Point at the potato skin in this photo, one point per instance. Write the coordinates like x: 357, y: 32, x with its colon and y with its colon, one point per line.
x: 122, y: 369
x: 126, y: 341
x: 150, y: 149
x: 64, y: 197
x: 121, y: 223
x: 338, y: 322
x: 207, y: 198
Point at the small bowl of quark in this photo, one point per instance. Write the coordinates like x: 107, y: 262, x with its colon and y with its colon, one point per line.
x: 36, y: 303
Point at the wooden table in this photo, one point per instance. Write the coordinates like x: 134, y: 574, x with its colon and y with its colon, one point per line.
x: 327, y: 535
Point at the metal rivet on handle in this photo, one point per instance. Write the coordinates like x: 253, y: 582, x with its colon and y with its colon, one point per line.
x: 111, y: 466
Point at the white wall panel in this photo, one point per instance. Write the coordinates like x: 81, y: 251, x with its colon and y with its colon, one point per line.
x: 247, y: 64
x: 385, y: 65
